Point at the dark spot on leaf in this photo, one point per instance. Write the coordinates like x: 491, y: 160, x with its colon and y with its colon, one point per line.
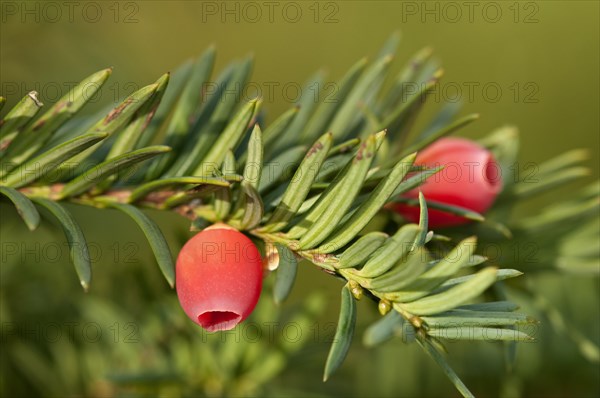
x: 346, y: 148
x: 315, y: 148
x: 360, y: 153
x: 61, y: 106
x: 117, y: 111
x: 39, y: 124
x: 149, y: 117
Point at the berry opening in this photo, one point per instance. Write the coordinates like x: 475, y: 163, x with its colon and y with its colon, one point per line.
x: 219, y: 320
x: 492, y: 172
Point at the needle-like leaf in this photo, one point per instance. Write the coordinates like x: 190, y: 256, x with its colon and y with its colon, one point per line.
x: 453, y: 297
x: 18, y: 117
x: 299, y: 187
x: 78, y: 248
x: 47, y: 162
x: 367, y: 210
x: 24, y: 206
x: 228, y: 140
x: 36, y: 135
x: 254, y: 162
x: 361, y: 250
x: 155, y: 237
x: 333, y: 204
x: 107, y: 168
x: 285, y: 274
x: 343, y: 334
x: 147, y: 188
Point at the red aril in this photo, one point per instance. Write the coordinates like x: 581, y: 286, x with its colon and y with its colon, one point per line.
x: 471, y: 179
x: 218, y: 277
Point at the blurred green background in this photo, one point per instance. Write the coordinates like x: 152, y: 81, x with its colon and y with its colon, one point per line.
x: 531, y: 64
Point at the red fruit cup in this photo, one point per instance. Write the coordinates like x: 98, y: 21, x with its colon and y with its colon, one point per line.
x: 471, y: 178
x: 219, y: 276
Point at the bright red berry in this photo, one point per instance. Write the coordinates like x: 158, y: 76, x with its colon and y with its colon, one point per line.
x: 219, y: 277
x: 471, y: 178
